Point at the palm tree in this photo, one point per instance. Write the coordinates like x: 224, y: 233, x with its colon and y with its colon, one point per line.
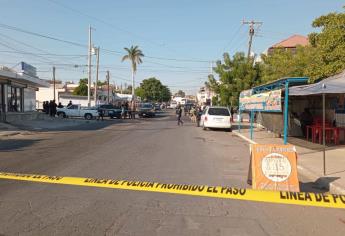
x: 134, y: 54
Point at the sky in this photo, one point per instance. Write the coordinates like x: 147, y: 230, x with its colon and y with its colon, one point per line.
x: 180, y: 39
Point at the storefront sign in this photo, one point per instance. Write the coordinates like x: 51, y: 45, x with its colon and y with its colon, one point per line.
x: 274, y: 167
x: 268, y: 101
x: 28, y: 69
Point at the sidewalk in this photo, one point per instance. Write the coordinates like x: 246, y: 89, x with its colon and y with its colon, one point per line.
x: 310, y: 158
x: 8, y: 130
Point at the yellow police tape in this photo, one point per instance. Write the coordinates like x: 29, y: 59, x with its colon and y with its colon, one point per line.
x: 301, y: 198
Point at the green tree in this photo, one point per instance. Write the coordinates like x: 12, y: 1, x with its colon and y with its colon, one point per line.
x: 284, y: 63
x: 153, y: 90
x: 329, y: 46
x: 235, y: 75
x: 134, y: 55
x: 165, y: 94
x: 81, y: 90
x: 180, y: 93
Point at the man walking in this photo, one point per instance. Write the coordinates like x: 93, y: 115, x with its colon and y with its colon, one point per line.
x: 179, y: 114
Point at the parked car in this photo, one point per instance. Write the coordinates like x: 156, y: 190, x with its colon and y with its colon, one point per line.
x: 157, y: 107
x: 146, y: 110
x: 216, y: 117
x: 173, y: 105
x: 110, y: 110
x: 77, y: 111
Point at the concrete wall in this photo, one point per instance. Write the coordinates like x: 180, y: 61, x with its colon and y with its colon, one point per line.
x: 82, y: 102
x: 271, y: 121
x: 22, y: 116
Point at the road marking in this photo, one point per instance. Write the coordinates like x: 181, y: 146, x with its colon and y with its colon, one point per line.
x: 283, y: 197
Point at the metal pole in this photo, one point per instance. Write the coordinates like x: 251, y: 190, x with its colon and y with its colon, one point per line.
x: 286, y: 111
x: 97, y: 72
x: 54, y: 81
x: 108, y: 77
x: 89, y: 71
x: 323, y: 133
x: 251, y: 124
x: 133, y: 83
x: 239, y: 120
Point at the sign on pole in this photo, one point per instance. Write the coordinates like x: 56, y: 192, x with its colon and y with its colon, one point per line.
x: 267, y: 101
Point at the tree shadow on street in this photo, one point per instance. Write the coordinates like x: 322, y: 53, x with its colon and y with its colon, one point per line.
x: 11, y: 145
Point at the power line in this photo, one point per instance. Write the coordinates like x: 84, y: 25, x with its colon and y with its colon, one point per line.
x: 103, y: 49
x: 7, y: 46
x: 46, y: 54
x: 103, y: 22
x: 41, y: 35
x: 233, y: 37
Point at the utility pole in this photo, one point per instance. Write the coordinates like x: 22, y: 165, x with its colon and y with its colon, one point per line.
x: 108, y: 78
x: 89, y: 71
x: 97, y: 72
x: 54, y: 80
x: 251, y: 33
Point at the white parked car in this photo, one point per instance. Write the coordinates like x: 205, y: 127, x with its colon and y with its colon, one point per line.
x: 77, y: 111
x: 216, y: 117
x: 173, y: 105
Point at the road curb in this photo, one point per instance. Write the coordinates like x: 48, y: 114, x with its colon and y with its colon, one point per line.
x: 9, y: 133
x: 321, y: 182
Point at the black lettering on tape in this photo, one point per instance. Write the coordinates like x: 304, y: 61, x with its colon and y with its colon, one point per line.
x: 336, y: 196
x: 211, y: 189
x: 242, y: 191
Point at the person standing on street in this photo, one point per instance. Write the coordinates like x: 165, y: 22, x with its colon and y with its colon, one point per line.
x: 123, y: 111
x: 100, y: 113
x: 54, y: 108
x: 69, y: 104
x: 179, y: 114
x: 198, y: 116
x: 232, y: 112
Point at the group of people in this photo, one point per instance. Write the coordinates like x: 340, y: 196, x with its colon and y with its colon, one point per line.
x: 50, y: 107
x: 194, y: 112
x: 126, y: 111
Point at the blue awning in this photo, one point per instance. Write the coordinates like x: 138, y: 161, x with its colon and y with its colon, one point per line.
x: 280, y: 84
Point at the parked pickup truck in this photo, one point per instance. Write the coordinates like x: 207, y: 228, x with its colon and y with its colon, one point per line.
x: 110, y: 110
x: 77, y: 111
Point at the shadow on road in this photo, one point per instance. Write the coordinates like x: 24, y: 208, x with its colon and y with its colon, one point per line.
x: 12, y: 145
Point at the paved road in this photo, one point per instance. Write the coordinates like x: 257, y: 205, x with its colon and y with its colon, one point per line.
x: 147, y: 150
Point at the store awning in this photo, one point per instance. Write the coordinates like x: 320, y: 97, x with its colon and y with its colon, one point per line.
x: 13, y: 77
x: 332, y: 85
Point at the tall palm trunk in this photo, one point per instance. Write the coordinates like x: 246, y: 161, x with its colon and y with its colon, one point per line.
x: 133, y: 73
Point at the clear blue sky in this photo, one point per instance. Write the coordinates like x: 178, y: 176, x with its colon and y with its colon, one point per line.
x: 200, y: 31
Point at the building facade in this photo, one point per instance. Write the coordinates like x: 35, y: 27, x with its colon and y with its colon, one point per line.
x: 204, y: 96
x: 289, y: 44
x: 18, y: 92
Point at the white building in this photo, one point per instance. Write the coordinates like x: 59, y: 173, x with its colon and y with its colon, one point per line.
x: 204, y: 96
x: 47, y: 93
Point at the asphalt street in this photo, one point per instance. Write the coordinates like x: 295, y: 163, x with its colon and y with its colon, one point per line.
x: 147, y: 150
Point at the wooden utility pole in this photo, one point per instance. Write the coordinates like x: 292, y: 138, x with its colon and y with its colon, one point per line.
x: 108, y: 78
x: 89, y: 70
x: 54, y: 81
x: 251, y: 33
